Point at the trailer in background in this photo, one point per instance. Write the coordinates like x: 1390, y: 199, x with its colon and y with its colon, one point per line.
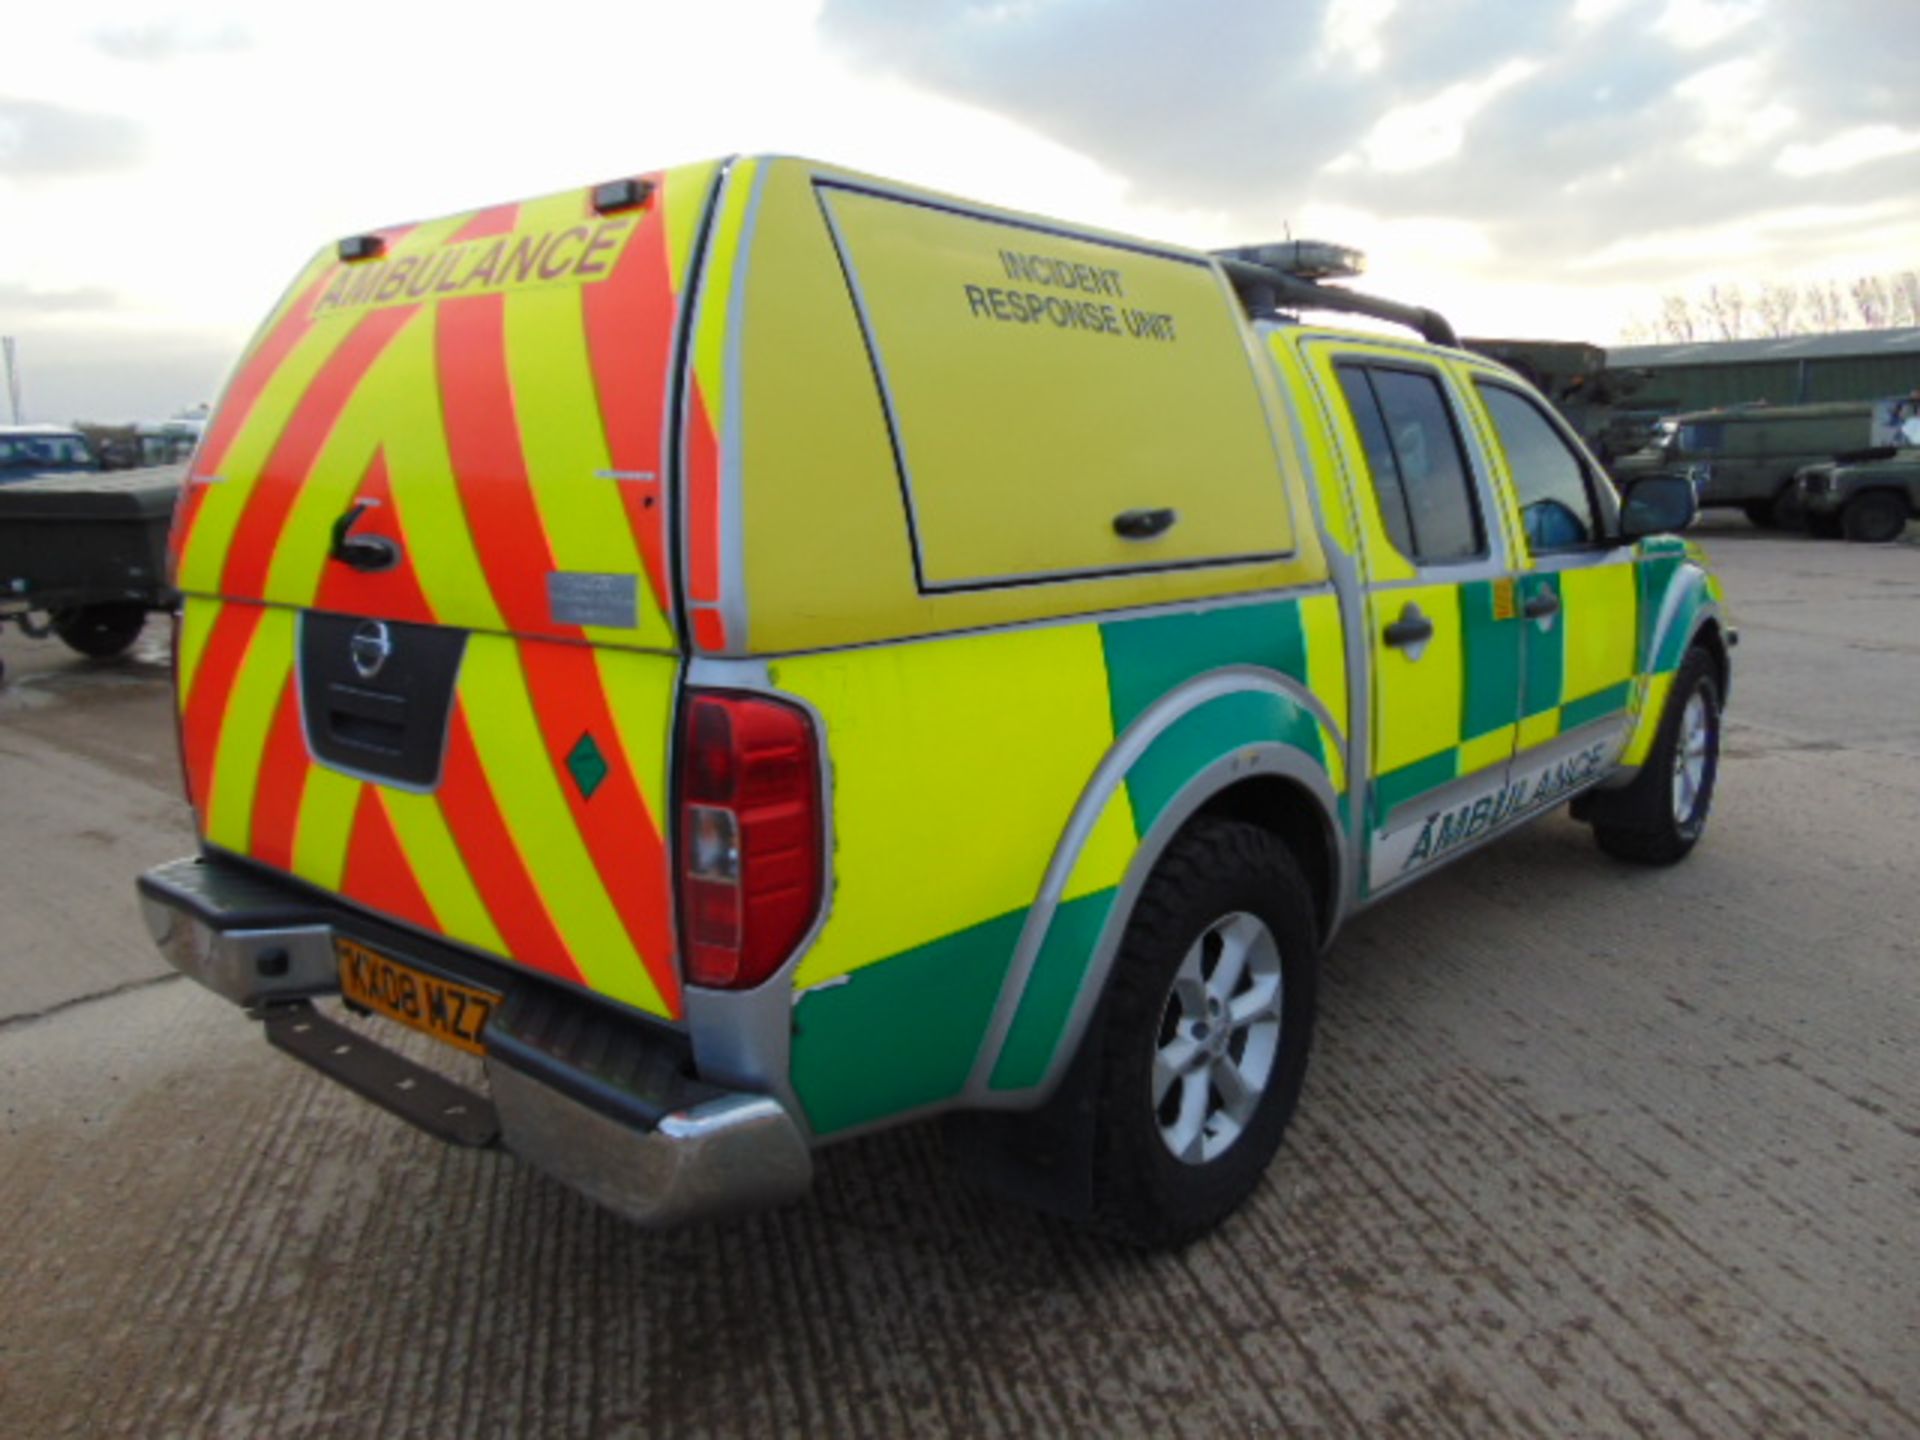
x: 84, y: 556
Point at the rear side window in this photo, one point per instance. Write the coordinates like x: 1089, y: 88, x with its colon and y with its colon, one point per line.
x: 1419, y: 469
x: 1549, y: 479
x: 1706, y: 435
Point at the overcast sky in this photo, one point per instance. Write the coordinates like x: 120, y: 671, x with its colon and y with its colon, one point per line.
x: 1534, y: 167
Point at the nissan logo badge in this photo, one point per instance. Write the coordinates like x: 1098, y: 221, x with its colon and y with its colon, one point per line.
x: 370, y: 647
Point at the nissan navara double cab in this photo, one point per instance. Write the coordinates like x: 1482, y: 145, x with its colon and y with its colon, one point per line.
x: 756, y: 654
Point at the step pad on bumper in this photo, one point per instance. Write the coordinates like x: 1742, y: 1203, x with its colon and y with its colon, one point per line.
x: 632, y: 1072
x: 393, y: 1082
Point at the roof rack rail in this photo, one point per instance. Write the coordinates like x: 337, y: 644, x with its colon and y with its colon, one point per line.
x: 1262, y: 288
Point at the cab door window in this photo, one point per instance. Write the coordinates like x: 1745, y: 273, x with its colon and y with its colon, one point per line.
x: 1551, y: 482
x: 1419, y: 470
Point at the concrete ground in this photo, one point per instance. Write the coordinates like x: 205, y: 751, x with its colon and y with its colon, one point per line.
x: 1585, y: 1150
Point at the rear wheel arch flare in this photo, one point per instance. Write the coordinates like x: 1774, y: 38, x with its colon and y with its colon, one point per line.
x: 1284, y: 785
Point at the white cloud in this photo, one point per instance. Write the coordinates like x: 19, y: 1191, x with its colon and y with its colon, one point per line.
x: 1696, y: 24
x: 1810, y: 229
x: 1350, y: 33
x: 1859, y: 146
x: 1738, y: 113
x: 1430, y: 131
x: 1501, y: 159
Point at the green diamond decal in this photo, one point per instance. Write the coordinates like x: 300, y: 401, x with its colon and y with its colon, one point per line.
x: 587, y: 765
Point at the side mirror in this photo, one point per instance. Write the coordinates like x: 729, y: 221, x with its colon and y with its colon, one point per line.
x: 1657, y: 505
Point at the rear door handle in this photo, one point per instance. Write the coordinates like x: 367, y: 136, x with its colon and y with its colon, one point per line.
x: 1540, y: 605
x: 368, y: 553
x: 1410, y: 632
x: 1143, y: 524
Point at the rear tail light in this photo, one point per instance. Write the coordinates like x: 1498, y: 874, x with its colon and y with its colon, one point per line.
x: 750, y: 836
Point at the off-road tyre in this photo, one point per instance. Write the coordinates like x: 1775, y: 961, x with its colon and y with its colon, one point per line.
x: 1760, y: 513
x: 1874, y: 517
x: 1785, y: 510
x: 101, y: 632
x: 1647, y: 823
x: 1216, y: 872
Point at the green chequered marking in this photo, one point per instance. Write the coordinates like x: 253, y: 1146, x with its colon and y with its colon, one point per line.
x: 1209, y: 731
x: 1396, y: 787
x: 1148, y: 657
x: 1491, y: 684
x: 1051, y: 989
x: 1594, y: 706
x: 901, y: 1033
x: 1545, y: 661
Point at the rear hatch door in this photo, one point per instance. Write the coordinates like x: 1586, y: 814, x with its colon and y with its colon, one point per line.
x: 429, y: 645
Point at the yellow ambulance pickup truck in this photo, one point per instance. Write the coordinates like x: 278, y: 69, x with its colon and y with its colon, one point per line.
x: 756, y: 654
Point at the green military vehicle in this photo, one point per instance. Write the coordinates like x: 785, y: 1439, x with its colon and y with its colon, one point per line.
x: 1869, y: 497
x: 1593, y: 397
x: 1747, y: 456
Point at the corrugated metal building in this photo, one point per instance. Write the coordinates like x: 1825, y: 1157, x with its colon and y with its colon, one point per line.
x: 1795, y: 369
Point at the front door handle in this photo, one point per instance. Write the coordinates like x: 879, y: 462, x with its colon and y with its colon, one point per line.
x: 1410, y: 632
x: 1540, y: 605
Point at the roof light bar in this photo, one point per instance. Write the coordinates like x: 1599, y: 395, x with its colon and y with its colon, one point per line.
x: 1267, y: 288
x: 1302, y: 259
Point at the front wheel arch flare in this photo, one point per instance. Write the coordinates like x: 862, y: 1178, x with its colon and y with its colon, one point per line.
x: 1711, y: 638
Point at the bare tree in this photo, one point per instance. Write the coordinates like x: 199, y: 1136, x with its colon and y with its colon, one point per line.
x: 1725, y: 307
x: 1826, y: 311
x: 1777, y: 308
x: 1869, y: 296
x: 1904, y: 298
x: 1727, y: 311
x: 1676, y: 321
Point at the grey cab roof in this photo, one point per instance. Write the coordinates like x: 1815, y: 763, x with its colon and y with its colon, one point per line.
x: 1841, y: 345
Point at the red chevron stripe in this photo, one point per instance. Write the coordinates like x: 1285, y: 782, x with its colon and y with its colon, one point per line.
x: 493, y: 859
x: 378, y: 874
x: 629, y: 321
x: 254, y: 373
x: 621, y: 835
x: 236, y: 404
x: 186, y: 509
x: 283, y: 777
x: 703, y: 499
x: 483, y: 439
x: 206, y: 706
x: 494, y: 220
x: 299, y: 444
x: 394, y: 594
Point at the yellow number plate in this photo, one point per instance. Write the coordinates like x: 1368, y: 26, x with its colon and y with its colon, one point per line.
x: 440, y: 1008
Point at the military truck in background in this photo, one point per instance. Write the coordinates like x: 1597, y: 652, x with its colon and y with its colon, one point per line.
x: 1591, y: 395
x: 1747, y: 457
x: 145, y: 443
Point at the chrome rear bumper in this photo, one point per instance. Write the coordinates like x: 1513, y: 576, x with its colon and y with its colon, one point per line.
x: 637, y: 1132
